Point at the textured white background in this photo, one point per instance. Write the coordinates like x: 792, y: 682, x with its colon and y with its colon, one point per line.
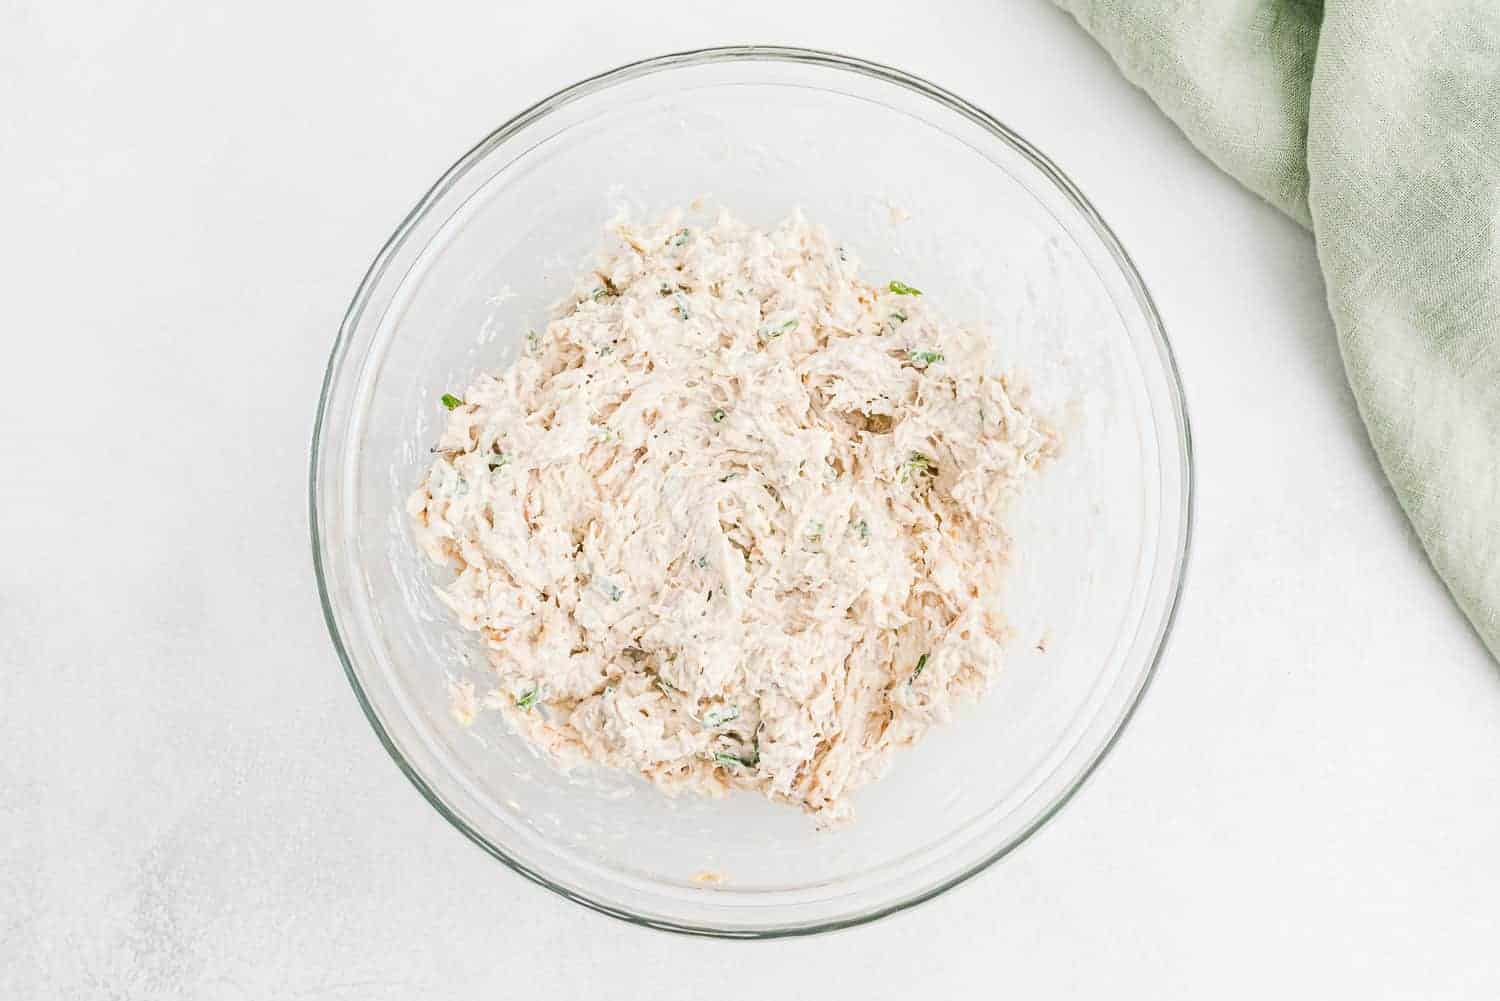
x: 192, y: 806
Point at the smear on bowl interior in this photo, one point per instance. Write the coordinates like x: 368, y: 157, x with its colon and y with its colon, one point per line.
x: 735, y: 517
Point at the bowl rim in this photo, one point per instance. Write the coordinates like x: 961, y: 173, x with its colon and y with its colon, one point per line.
x: 924, y: 88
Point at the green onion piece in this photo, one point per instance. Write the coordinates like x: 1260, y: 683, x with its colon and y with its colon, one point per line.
x: 771, y: 331
x: 926, y: 357
x: 715, y: 718
x: 725, y: 758
x: 917, y: 464
x: 719, y: 416
x: 921, y: 663
x: 452, y: 402
x: 901, y: 288
x: 528, y: 700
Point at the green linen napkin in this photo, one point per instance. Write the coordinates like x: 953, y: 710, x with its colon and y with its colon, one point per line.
x: 1377, y: 124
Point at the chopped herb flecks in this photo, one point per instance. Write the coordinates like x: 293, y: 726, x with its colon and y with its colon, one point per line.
x: 609, y: 587
x: 863, y: 528
x: 529, y: 699
x: 771, y: 331
x: 725, y: 758
x: 901, y: 288
x: 716, y: 718
x: 679, y: 238
x: 452, y: 402
x: 917, y: 464
x: 701, y: 562
x: 679, y: 306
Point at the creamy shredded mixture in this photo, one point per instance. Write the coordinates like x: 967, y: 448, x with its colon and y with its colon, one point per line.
x: 736, y: 516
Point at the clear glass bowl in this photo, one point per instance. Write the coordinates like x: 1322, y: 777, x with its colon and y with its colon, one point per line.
x: 928, y: 188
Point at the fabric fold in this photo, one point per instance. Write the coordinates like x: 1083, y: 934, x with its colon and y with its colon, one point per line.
x: 1377, y: 124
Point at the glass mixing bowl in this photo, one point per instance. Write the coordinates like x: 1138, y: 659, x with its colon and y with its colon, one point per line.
x: 926, y: 187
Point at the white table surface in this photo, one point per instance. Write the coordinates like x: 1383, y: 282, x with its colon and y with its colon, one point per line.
x: 191, y: 804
